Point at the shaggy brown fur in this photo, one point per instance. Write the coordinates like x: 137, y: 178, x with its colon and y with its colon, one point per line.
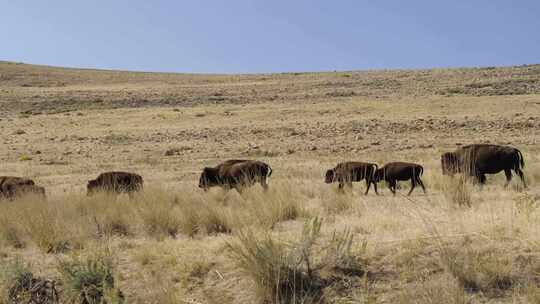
x: 481, y: 159
x: 400, y: 171
x: 115, y: 182
x: 12, y: 187
x: 346, y: 173
x: 235, y: 173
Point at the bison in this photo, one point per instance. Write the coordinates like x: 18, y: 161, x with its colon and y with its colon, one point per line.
x: 346, y: 173
x: 477, y: 160
x: 400, y: 171
x: 237, y: 174
x: 12, y: 187
x: 115, y: 182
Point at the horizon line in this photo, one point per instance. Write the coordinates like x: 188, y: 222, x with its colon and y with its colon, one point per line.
x: 107, y: 69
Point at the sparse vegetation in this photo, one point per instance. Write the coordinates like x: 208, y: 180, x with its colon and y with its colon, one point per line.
x: 90, y: 279
x: 171, y: 243
x: 289, y: 272
x: 19, y: 285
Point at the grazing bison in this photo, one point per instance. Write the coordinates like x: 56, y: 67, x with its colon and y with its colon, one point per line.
x: 235, y: 173
x: 348, y: 172
x: 12, y: 187
x: 115, y: 182
x: 480, y: 159
x: 400, y: 171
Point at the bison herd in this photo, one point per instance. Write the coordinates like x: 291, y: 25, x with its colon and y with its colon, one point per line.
x: 473, y: 161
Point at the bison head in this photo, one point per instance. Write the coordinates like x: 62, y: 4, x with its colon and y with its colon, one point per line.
x: 91, y: 187
x: 449, y: 163
x: 208, y: 178
x: 329, y: 176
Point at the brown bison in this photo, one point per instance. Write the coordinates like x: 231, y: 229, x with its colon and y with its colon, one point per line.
x: 348, y: 172
x: 480, y: 159
x: 12, y: 187
x: 115, y: 182
x: 400, y: 171
x: 237, y: 174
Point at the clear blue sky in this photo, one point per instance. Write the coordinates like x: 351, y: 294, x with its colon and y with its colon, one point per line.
x: 238, y: 36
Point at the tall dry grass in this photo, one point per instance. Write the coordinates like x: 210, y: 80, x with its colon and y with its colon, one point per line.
x: 291, y: 271
x: 434, y: 246
x: 69, y: 222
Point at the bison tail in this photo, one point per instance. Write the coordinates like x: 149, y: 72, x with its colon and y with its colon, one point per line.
x: 268, y: 172
x: 421, y: 171
x: 521, y: 159
x: 375, y: 168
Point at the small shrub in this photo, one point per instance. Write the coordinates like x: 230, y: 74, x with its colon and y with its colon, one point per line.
x: 25, y: 158
x: 90, y: 280
x: 20, y: 286
x: 274, y: 269
x: 290, y: 272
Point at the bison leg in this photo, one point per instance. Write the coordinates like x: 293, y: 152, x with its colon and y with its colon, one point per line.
x: 419, y: 181
x: 482, y: 179
x: 368, y: 184
x: 521, y: 176
x: 264, y: 184
x: 508, y: 174
x: 340, y: 186
x: 392, y: 186
x: 479, y: 179
x: 375, y: 187
x: 413, y: 185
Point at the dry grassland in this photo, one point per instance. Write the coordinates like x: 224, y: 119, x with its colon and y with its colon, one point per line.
x: 301, y: 242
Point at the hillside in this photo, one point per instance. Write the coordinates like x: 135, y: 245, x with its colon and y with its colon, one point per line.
x: 38, y: 88
x: 174, y: 243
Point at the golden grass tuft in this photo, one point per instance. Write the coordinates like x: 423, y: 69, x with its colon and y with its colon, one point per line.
x: 90, y: 278
x: 292, y: 272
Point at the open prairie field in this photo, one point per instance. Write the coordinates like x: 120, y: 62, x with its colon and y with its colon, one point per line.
x: 300, y: 242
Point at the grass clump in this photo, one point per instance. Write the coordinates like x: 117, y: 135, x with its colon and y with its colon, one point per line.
x: 48, y: 229
x: 110, y: 215
x: 291, y: 272
x: 269, y: 208
x: 159, y: 216
x: 90, y: 279
x: 19, y: 285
